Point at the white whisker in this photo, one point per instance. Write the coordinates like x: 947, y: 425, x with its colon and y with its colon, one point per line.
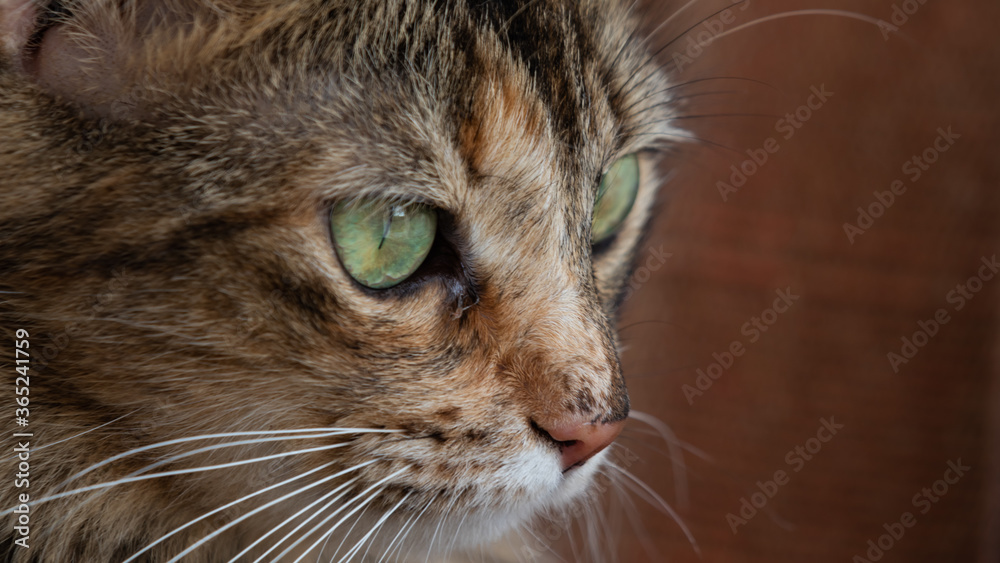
x: 326, y: 535
x: 344, y: 536
x: 795, y: 13
x: 263, y: 507
x: 671, y: 17
x: 631, y: 512
x: 123, y: 481
x: 538, y: 541
x: 651, y: 57
x: 676, y: 454
x: 332, y: 515
x: 378, y: 526
x: 231, y: 445
x: 315, y: 514
x: 437, y: 529
x: 211, y: 437
x: 659, y: 503
x: 227, y: 506
x: 597, y: 525
x: 291, y: 518
x: 78, y: 435
x: 404, y: 532
x: 458, y: 529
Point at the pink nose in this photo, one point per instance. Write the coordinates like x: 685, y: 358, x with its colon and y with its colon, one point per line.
x: 579, y: 439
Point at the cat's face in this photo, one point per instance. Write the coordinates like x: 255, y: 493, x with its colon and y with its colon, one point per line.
x: 166, y: 216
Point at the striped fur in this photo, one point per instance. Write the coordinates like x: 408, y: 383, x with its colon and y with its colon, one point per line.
x: 167, y: 170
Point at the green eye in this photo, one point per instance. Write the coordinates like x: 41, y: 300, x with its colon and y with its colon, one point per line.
x: 381, y: 244
x: 615, y: 197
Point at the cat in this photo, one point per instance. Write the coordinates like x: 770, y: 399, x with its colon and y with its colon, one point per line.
x: 319, y: 278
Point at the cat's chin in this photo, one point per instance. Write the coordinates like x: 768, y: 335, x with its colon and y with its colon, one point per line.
x: 470, y: 531
x: 556, y: 494
x: 542, y: 486
x: 546, y: 495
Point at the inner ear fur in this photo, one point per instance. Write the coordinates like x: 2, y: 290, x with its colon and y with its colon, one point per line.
x: 110, y: 56
x: 76, y: 50
x: 17, y: 21
x: 99, y: 54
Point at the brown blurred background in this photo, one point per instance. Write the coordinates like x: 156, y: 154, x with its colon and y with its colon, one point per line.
x: 827, y: 355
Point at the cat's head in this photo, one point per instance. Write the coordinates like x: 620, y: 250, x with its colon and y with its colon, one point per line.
x: 411, y: 220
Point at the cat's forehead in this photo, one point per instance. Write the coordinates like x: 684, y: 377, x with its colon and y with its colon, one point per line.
x: 515, y: 88
x: 532, y: 92
x: 420, y: 99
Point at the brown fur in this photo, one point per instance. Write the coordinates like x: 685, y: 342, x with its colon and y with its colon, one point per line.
x: 163, y: 211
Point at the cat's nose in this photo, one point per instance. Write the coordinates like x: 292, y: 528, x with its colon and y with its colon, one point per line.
x: 579, y: 439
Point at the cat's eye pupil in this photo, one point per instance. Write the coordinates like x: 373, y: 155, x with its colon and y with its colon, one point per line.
x: 615, y: 198
x: 382, y: 244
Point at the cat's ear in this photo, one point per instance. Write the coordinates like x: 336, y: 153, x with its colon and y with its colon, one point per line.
x: 114, y: 57
x: 17, y: 21
x: 78, y: 51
